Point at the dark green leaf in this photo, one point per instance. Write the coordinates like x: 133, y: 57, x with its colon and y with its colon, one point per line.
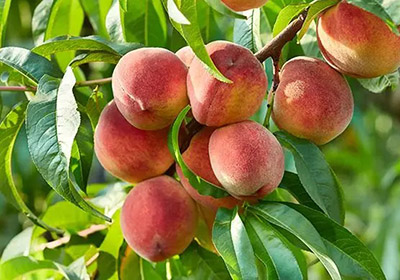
x: 9, y: 129
x: 43, y: 19
x: 351, y: 256
x: 377, y: 85
x: 291, y: 182
x: 30, y: 65
x: 18, y: 267
x: 286, y: 15
x: 315, y: 174
x: 4, y: 8
x: 287, y: 261
x: 96, y: 11
x: 219, y: 7
x: 233, y: 244
x: 294, y: 222
x: 247, y: 32
x: 315, y: 8
x: 202, y: 186
x: 191, y: 33
x: 203, y: 264
x: 52, y: 122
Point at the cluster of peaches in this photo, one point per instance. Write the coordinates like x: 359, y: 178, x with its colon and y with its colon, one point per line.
x: 151, y: 86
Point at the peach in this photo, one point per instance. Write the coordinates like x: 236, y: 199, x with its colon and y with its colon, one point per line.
x: 215, y: 103
x: 158, y: 219
x: 313, y: 101
x: 149, y: 87
x: 246, y: 158
x: 357, y: 43
x: 243, y: 5
x: 186, y: 55
x: 129, y: 153
x: 197, y: 159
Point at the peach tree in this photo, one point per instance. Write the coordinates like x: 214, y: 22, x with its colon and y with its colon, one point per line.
x: 207, y: 116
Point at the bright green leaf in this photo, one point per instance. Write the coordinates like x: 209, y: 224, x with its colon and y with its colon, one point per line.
x: 247, y: 32
x: 4, y: 9
x: 379, y: 84
x: 96, y: 10
x: 286, y: 15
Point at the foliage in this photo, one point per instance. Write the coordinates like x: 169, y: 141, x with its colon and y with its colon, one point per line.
x: 46, y: 151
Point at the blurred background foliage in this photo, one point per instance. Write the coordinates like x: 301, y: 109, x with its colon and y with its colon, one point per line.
x: 366, y: 157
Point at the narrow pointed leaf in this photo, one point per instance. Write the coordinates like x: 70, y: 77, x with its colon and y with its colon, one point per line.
x: 43, y: 19
x: 4, y: 9
x: 96, y: 10
x: 247, y: 32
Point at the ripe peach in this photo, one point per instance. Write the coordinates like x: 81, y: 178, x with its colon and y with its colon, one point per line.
x: 215, y: 103
x: 243, y: 5
x: 158, y: 219
x: 357, y: 43
x: 129, y: 153
x: 313, y: 101
x: 186, y: 55
x: 197, y: 159
x: 149, y: 87
x: 246, y: 158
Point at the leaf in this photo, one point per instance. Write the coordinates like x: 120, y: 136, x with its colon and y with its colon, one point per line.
x: 309, y: 42
x: 247, y: 32
x: 294, y: 222
x: 271, y: 246
x: 352, y: 257
x: 175, y: 14
x: 316, y: 175
x: 202, y: 186
x: 221, y: 8
x: 379, y: 84
x: 392, y: 7
x: 18, y: 246
x: 375, y: 7
x: 79, y: 268
x: 114, y: 23
x: 192, y: 34
x: 94, y: 57
x: 29, y: 64
x: 286, y: 15
x: 43, y: 19
x: 18, y: 267
x: 109, y: 250
x: 315, y: 8
x: 96, y: 11
x: 95, y: 106
x: 9, y: 128
x: 291, y: 182
x: 4, y: 9
x: 203, y: 264
x: 233, y: 244
x: 51, y: 124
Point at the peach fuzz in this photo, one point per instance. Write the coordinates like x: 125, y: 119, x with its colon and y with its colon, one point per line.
x: 247, y: 159
x: 197, y: 159
x: 186, y: 55
x: 357, y: 43
x: 158, y: 219
x: 313, y: 101
x: 149, y: 86
x: 215, y: 103
x: 128, y: 153
x: 243, y: 5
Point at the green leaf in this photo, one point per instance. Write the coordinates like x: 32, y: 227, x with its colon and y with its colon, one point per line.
x: 352, y: 257
x: 269, y: 245
x: 291, y: 182
x: 294, y: 222
x: 192, y: 34
x: 247, y: 32
x: 104, y: 57
x: 28, y: 64
x: 315, y: 8
x: 286, y: 15
x: 375, y: 7
x: 95, y: 106
x: 20, y: 266
x: 9, y: 128
x: 379, y: 84
x: 221, y: 8
x: 52, y: 122
x: 203, y: 264
x: 78, y: 267
x: 96, y: 10
x: 114, y: 23
x: 233, y: 244
x: 175, y: 14
x: 202, y: 186
x: 316, y: 175
x: 4, y: 9
x: 152, y: 271
x: 18, y: 246
x: 43, y: 19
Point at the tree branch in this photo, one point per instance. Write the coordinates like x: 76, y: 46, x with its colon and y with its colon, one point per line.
x: 273, y: 49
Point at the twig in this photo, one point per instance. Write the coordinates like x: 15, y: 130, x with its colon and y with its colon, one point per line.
x: 273, y: 48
